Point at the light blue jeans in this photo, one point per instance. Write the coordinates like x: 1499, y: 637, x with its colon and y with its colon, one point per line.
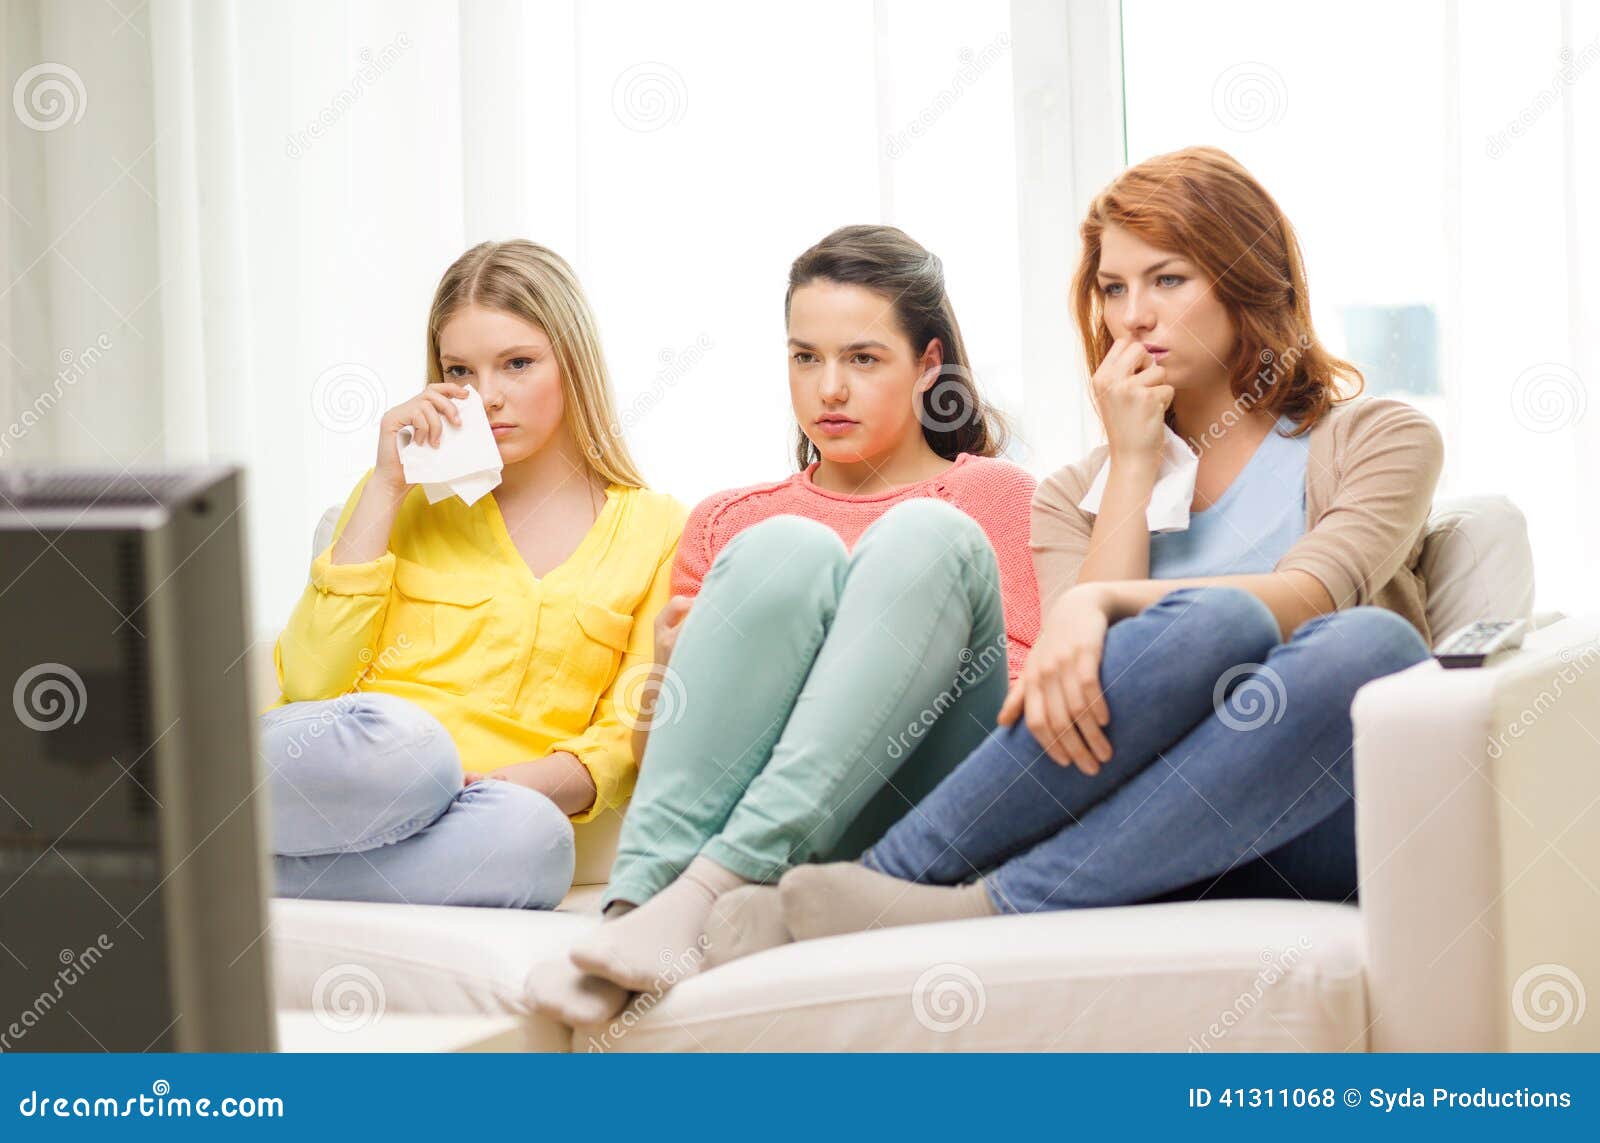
x: 1230, y: 775
x: 367, y: 804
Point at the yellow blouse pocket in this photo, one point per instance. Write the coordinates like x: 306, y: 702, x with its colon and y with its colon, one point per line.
x: 440, y: 624
x: 592, y: 661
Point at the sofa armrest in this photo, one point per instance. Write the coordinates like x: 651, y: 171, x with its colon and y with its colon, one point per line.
x: 1478, y: 848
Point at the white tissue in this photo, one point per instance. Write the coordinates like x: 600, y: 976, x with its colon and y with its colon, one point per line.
x: 1174, y: 490
x: 466, y: 461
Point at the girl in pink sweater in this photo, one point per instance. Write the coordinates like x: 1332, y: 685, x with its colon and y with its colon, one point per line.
x: 848, y: 634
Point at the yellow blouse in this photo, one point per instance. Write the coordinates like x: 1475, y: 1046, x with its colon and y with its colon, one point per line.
x: 516, y: 667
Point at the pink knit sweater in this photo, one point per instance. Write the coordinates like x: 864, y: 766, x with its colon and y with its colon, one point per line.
x: 995, y: 493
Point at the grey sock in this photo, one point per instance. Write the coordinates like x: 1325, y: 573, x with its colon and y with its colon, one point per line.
x: 656, y: 946
x: 563, y: 992
x: 845, y: 897
x: 744, y: 921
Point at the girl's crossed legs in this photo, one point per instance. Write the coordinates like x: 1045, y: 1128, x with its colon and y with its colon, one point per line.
x: 367, y: 805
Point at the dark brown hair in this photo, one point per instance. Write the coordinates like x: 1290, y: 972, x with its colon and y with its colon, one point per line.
x: 887, y: 261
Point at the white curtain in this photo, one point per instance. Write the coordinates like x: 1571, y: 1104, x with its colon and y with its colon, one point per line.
x: 239, y: 212
x: 1435, y: 156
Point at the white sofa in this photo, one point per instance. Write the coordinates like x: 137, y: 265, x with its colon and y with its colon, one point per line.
x: 1478, y: 924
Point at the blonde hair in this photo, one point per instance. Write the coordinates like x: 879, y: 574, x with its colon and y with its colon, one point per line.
x: 535, y: 284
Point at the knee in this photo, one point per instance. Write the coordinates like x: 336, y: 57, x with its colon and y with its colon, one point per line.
x: 362, y: 740
x: 786, y: 557
x: 529, y: 848
x: 927, y: 529
x: 1232, y: 613
x: 1373, y: 640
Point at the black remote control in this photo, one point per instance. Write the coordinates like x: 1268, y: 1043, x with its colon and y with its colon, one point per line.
x: 1472, y: 645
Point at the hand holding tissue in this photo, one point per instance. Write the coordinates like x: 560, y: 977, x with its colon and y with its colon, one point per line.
x: 466, y: 461
x: 1174, y: 490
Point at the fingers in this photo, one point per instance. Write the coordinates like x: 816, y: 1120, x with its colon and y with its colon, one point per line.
x: 1034, y: 715
x: 1012, y: 706
x: 1133, y: 356
x: 1115, y: 364
x: 1084, y: 720
x: 434, y: 426
x: 1124, y: 349
x: 677, y: 609
x: 1128, y: 369
x: 444, y: 404
x: 1138, y: 358
x: 425, y: 415
x: 1063, y: 717
x: 1094, y: 696
x: 1045, y: 713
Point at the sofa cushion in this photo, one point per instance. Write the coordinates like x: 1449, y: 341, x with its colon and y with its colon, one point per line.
x: 338, y: 955
x: 1476, y: 563
x: 1236, y: 975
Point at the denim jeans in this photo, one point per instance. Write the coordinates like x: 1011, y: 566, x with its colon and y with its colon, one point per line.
x: 366, y: 804
x: 1231, y: 770
x: 816, y: 694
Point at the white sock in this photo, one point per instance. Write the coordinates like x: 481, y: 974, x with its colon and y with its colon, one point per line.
x: 745, y: 921
x: 661, y: 942
x: 561, y: 991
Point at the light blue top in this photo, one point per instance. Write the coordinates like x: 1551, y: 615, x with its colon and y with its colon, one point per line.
x: 1250, y: 527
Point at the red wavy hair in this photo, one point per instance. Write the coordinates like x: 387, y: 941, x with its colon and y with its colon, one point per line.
x: 1201, y: 203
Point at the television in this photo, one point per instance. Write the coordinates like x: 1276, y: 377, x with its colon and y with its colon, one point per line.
x: 132, y: 870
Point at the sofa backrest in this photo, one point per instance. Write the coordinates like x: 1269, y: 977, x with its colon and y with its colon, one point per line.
x: 1476, y: 564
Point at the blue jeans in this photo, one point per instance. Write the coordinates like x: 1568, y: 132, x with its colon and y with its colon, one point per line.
x: 1230, y: 775
x: 367, y: 805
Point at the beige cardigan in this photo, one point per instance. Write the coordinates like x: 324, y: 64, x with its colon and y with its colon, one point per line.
x: 1370, y: 477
